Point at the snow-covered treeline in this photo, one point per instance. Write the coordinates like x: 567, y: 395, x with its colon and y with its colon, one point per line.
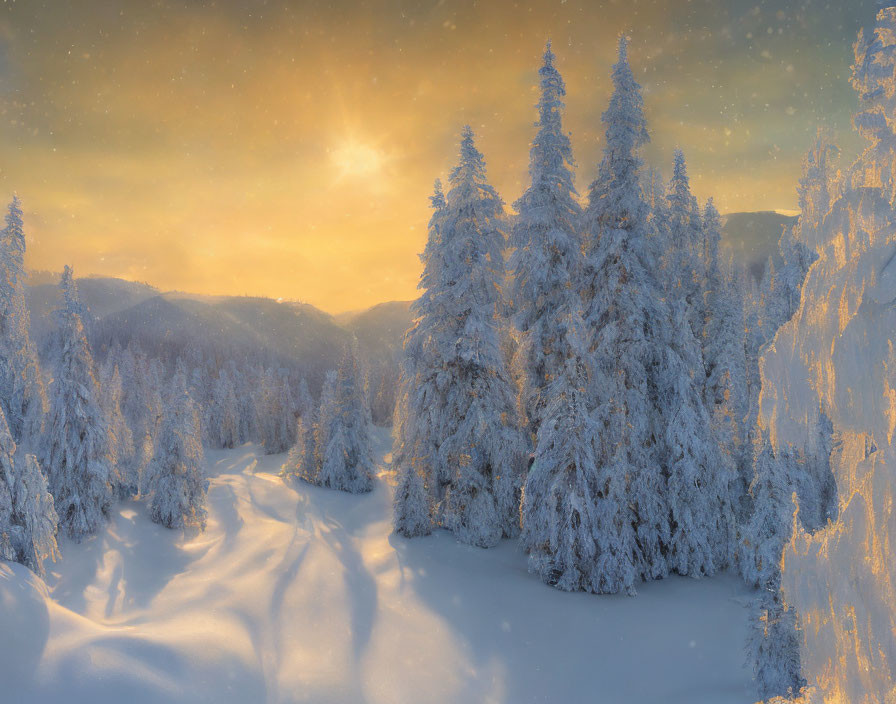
x: 606, y: 339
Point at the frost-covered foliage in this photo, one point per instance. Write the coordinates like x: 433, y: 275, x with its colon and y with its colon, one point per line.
x: 683, y: 261
x: 274, y: 411
x: 22, y: 395
x: 460, y: 414
x: 174, y: 483
x: 301, y: 462
x: 773, y: 647
x: 836, y: 355
x: 576, y: 524
x: 344, y: 457
x: 27, y: 517
x: 77, y: 446
x: 546, y: 263
x: 771, y: 522
x: 417, y: 427
x: 224, y: 424
x: 727, y: 391
x: 125, y: 478
x: 650, y: 365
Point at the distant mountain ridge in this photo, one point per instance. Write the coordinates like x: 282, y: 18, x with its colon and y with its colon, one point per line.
x: 753, y: 237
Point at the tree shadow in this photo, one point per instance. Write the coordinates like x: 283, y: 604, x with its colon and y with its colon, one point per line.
x: 131, y: 561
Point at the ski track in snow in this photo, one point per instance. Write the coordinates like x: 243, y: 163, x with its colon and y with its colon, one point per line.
x: 300, y: 594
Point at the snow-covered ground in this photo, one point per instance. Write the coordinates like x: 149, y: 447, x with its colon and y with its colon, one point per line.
x: 301, y: 594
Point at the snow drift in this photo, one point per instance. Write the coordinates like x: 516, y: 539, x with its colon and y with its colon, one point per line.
x: 301, y: 594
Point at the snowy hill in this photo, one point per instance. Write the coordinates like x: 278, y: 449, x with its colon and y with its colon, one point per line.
x: 301, y: 594
x: 753, y: 237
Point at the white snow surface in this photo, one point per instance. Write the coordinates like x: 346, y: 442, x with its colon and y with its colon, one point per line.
x: 296, y: 593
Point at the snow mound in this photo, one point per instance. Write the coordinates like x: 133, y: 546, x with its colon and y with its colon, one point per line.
x: 301, y: 594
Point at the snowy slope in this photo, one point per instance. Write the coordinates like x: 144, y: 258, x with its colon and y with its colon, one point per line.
x: 300, y: 594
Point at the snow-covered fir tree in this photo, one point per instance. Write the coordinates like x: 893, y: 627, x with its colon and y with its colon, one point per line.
x: 125, y: 480
x: 420, y: 469
x: 27, y: 517
x: 343, y: 441
x: 547, y: 254
x: 175, y: 483
x: 301, y: 462
x: 22, y: 394
x: 626, y: 315
x: 702, y: 530
x: 773, y: 642
x: 725, y: 357
x: 770, y: 524
x: 576, y: 523
x: 224, y: 412
x: 277, y: 420
x: 684, y: 264
x: 77, y: 446
x: 481, y: 440
x: 773, y: 647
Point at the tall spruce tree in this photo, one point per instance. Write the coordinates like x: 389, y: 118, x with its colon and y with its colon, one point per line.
x: 419, y: 468
x: 627, y: 317
x: 27, y: 518
x: 479, y: 443
x: 22, y: 395
x: 346, y: 460
x: 77, y: 443
x: 546, y: 263
x: 175, y: 483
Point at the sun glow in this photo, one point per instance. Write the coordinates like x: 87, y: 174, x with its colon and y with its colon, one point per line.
x: 353, y: 158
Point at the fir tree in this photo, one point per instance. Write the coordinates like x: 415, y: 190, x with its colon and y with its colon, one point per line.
x: 346, y: 460
x: 773, y: 647
x: 417, y: 426
x: 22, y: 395
x: 175, y: 483
x: 685, y: 270
x: 124, y: 477
x: 770, y: 525
x: 547, y: 258
x: 78, y: 447
x: 627, y: 317
x: 576, y: 525
x: 481, y: 444
x: 28, y: 521
x: 457, y: 417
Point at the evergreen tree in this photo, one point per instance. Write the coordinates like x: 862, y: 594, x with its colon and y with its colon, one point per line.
x: 769, y: 526
x: 175, y: 483
x: 773, y: 647
x: 224, y: 412
x: 78, y: 447
x: 482, y: 443
x: 576, y: 524
x: 301, y: 461
x: 124, y: 476
x: 35, y: 514
x: 725, y: 357
x: 27, y: 518
x: 346, y: 460
x: 22, y: 395
x: 459, y: 416
x: 627, y: 317
x: 547, y: 257
x: 773, y: 643
x: 420, y: 471
x: 685, y: 271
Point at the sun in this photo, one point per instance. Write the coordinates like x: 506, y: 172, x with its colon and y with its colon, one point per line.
x: 353, y: 158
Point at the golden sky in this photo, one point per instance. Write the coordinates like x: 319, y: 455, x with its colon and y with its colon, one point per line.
x: 287, y: 149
